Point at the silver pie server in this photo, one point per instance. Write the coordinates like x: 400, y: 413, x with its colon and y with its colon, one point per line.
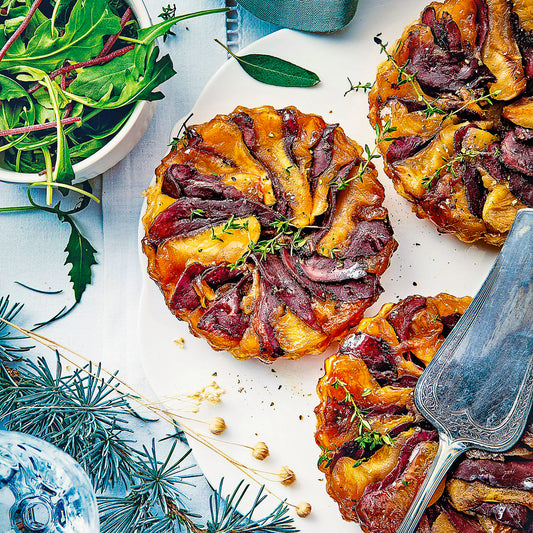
x: 478, y: 389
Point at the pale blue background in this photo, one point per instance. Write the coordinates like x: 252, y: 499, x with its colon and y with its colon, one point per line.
x: 103, y: 326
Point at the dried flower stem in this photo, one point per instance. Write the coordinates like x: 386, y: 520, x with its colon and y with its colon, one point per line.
x: 145, y: 402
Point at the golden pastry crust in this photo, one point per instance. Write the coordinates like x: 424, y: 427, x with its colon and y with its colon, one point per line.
x: 377, y: 448
x: 261, y: 238
x: 469, y: 166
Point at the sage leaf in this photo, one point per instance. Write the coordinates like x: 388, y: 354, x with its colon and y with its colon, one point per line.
x: 275, y: 71
x: 81, y: 255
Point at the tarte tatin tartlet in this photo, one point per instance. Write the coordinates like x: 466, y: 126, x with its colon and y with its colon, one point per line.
x: 377, y: 448
x: 458, y: 88
x: 265, y: 231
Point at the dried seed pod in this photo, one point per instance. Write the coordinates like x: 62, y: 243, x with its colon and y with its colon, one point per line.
x: 217, y: 425
x: 260, y: 451
x: 303, y: 509
x: 287, y: 476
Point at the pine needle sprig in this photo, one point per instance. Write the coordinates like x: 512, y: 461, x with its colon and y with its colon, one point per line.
x: 9, y: 350
x: 159, y: 481
x: 87, y: 415
x: 77, y: 412
x: 154, y: 502
x: 226, y: 519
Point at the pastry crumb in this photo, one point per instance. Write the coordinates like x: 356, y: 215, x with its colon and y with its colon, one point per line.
x: 211, y: 393
x: 180, y: 342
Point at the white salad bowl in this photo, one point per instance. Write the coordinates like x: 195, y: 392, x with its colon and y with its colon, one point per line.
x: 119, y: 146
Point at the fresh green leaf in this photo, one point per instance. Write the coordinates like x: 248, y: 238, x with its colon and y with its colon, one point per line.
x: 12, y: 24
x: 103, y: 125
x: 101, y: 81
x: 141, y: 88
x: 63, y: 171
x: 20, y: 111
x: 17, y: 110
x: 21, y: 12
x: 89, y: 22
x: 275, y: 71
x: 149, y: 35
x: 81, y: 255
x: 86, y: 149
x: 10, y: 89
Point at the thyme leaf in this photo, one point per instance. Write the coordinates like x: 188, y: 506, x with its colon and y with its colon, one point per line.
x: 367, y: 438
x: 365, y: 87
x: 383, y: 134
x: 287, y: 235
x: 431, y: 107
x: 450, y: 163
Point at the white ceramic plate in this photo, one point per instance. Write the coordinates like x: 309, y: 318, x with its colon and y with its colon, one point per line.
x: 275, y: 403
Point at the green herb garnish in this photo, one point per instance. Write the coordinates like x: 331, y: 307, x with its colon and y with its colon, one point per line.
x: 287, y: 235
x: 367, y: 438
x: 431, y: 107
x: 449, y: 165
x: 326, y: 457
x: 358, y: 86
x: 274, y: 71
x: 383, y: 134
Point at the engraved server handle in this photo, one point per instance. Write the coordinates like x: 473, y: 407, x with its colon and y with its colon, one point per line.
x: 447, y: 452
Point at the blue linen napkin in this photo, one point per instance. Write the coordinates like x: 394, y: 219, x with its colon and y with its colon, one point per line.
x: 306, y: 15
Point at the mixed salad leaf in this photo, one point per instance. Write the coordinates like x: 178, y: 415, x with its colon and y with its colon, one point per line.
x: 86, y: 59
x: 71, y: 74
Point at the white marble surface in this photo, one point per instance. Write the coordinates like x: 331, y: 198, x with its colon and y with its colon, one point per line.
x: 103, y: 327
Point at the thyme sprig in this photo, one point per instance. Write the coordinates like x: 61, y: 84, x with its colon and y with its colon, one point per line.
x: 432, y: 107
x: 326, y: 457
x: 286, y: 234
x: 367, y: 438
x: 231, y: 224
x: 487, y: 98
x: 404, y: 76
x: 450, y: 163
x: 365, y: 87
x: 383, y: 134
